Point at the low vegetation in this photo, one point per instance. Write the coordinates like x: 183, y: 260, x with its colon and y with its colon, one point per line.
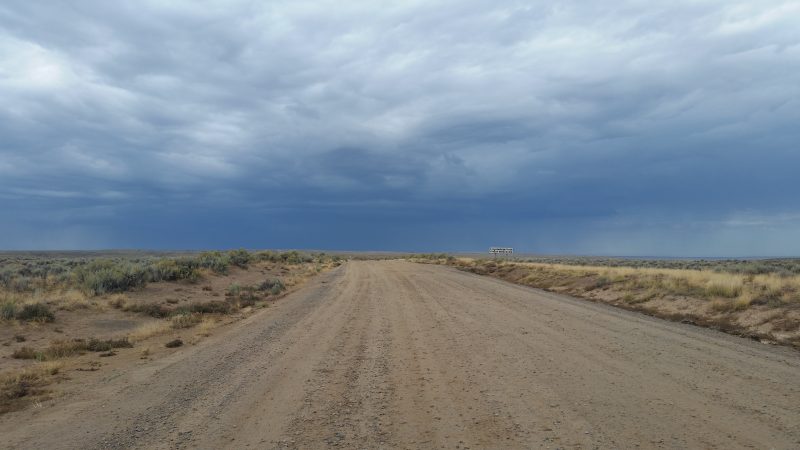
x: 102, y: 275
x: 64, y: 349
x: 30, y: 382
x: 30, y: 312
x: 759, y: 300
x: 42, y: 295
x: 35, y: 276
x: 777, y: 266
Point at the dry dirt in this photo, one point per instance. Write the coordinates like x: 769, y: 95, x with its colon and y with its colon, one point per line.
x: 391, y: 354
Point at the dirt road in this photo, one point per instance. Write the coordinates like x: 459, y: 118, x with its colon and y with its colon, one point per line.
x: 400, y: 355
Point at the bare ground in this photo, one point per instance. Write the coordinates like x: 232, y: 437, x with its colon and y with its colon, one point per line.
x: 400, y: 355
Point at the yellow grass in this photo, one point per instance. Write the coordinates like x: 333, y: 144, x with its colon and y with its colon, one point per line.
x: 205, y: 327
x: 150, y: 329
x: 706, y: 282
x: 738, y: 291
x: 34, y: 372
x: 64, y: 299
x: 73, y: 299
x: 25, y: 382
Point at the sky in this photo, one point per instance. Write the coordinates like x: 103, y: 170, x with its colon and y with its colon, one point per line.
x: 558, y: 127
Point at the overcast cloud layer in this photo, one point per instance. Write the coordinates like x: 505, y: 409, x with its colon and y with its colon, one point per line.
x: 557, y: 127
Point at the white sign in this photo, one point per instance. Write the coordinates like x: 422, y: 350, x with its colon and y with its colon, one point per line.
x: 501, y: 250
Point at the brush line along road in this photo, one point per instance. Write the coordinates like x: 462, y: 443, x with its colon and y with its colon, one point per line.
x: 391, y: 354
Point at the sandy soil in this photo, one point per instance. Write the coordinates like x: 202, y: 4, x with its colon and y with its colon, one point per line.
x: 390, y: 354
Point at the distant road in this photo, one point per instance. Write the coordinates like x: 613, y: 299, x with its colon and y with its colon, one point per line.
x: 390, y: 354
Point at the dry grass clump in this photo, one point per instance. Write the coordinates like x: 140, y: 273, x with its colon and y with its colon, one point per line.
x: 185, y: 320
x: 162, y: 327
x: 67, y: 348
x: 747, y: 289
x: 72, y: 300
x: 28, y: 382
x: 150, y: 329
x: 206, y: 325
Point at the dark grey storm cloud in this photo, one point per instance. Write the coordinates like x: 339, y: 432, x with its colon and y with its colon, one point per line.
x: 559, y: 126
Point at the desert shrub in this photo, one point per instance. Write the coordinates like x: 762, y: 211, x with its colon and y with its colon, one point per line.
x: 234, y: 289
x: 56, y: 350
x: 150, y: 309
x: 211, y: 307
x: 118, y: 302
x: 248, y: 297
x: 174, y: 343
x: 433, y: 256
x: 8, y: 310
x: 267, y: 255
x: 720, y: 289
x: 22, y: 383
x: 39, y: 312
x: 215, y: 261
x: 599, y: 283
x: 274, y: 286
x: 6, y: 275
x: 67, y: 348
x: 294, y: 257
x: 290, y: 257
x: 105, y: 276
x: 185, y: 320
x: 20, y: 284
x: 98, y: 345
x: 240, y: 258
x: 174, y: 269
x: 24, y: 353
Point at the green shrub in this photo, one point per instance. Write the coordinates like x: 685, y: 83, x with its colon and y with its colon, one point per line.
x: 186, y: 320
x: 36, y: 312
x: 105, y: 276
x: 267, y: 255
x: 234, y: 289
x: 294, y: 257
x: 150, y: 309
x: 240, y: 258
x: 172, y: 269
x: 599, y: 283
x: 97, y: 345
x: 273, y: 286
x: 21, y: 284
x: 8, y: 310
x: 211, y: 307
x: 216, y: 261
x: 64, y: 349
